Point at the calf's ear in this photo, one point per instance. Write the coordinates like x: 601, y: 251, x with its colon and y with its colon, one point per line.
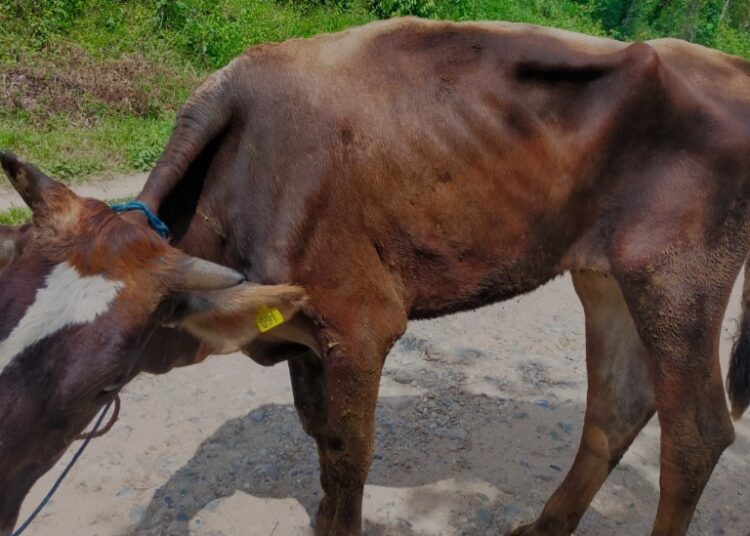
x: 28, y: 181
x: 229, y: 318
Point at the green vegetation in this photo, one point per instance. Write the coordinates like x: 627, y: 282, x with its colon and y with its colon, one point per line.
x: 69, y: 151
x: 90, y: 87
x: 15, y: 216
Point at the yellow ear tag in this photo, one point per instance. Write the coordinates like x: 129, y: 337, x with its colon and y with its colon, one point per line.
x: 268, y: 318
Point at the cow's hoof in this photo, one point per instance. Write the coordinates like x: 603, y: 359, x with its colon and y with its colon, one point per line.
x: 520, y: 531
x: 534, y: 529
x: 322, y: 529
x: 323, y: 526
x: 530, y: 529
x: 324, y: 519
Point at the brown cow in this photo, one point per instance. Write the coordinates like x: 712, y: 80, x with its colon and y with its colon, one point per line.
x: 406, y: 169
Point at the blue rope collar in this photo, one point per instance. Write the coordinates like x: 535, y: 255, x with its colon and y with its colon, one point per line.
x: 153, y: 220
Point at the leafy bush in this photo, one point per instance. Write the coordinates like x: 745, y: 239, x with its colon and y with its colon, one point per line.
x: 68, y: 169
x: 214, y: 32
x: 736, y: 41
x: 700, y: 21
x: 145, y: 156
x: 384, y: 9
x: 39, y: 19
x: 309, y: 5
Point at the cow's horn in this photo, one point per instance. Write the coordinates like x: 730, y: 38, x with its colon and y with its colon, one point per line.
x: 197, y: 274
x: 25, y: 178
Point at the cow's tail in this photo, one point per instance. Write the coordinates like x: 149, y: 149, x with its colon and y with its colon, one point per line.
x: 204, y: 116
x: 738, y: 378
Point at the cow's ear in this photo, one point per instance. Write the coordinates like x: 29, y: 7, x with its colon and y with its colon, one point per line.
x: 229, y: 318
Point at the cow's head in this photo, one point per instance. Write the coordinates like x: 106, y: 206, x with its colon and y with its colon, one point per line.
x: 81, y: 290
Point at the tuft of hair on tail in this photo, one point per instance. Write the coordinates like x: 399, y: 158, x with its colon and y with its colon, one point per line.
x: 738, y: 377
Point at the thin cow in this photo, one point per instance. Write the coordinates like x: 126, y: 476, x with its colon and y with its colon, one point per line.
x: 405, y: 169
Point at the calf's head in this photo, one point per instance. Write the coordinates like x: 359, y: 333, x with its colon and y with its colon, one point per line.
x: 81, y: 290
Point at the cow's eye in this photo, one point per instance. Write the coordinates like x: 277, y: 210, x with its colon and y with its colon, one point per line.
x: 114, y: 386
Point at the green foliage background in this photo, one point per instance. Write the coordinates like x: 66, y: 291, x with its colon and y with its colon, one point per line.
x: 177, y: 42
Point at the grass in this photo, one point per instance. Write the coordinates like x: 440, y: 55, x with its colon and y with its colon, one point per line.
x: 98, y: 98
x: 15, y: 216
x: 91, y: 87
x: 67, y: 151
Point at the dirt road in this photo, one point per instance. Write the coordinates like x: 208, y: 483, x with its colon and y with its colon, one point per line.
x: 479, y: 419
x: 106, y: 189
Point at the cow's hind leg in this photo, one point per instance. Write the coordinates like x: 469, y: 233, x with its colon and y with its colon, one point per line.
x: 620, y: 401
x: 678, y: 309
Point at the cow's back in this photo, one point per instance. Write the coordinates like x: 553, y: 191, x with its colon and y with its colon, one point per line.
x: 467, y: 159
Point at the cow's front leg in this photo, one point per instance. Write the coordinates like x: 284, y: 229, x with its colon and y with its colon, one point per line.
x: 352, y: 384
x: 336, y: 401
x: 311, y: 401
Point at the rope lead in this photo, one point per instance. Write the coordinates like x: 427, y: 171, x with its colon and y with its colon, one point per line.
x: 70, y: 465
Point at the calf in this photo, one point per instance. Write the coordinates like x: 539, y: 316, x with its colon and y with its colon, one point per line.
x: 407, y: 169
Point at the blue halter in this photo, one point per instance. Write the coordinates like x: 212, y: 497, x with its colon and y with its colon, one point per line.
x: 153, y: 220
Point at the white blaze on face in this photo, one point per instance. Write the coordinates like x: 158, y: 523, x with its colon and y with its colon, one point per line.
x: 66, y: 299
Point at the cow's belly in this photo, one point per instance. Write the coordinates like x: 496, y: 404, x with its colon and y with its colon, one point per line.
x: 472, y: 240
x: 448, y: 276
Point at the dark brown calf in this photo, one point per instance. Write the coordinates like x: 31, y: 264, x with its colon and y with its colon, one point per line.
x: 409, y: 169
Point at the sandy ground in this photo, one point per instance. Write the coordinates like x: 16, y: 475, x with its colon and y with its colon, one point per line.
x: 112, y: 188
x: 479, y: 418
